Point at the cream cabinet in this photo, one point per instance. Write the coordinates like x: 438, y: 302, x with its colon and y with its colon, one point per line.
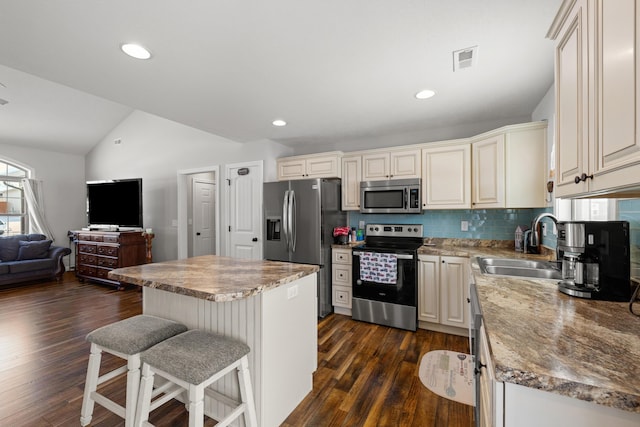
x: 489, y: 405
x: 597, y: 97
x: 341, y: 280
x: 443, y: 290
x: 446, y: 176
x: 397, y: 164
x: 324, y: 165
x: 351, y: 176
x: 509, y: 167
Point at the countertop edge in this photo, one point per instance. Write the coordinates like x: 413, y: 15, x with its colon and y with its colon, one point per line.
x: 134, y: 276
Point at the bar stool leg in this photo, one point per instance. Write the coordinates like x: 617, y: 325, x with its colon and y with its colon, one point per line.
x: 133, y: 384
x: 93, y: 371
x: 196, y: 405
x: 144, y: 398
x: 246, y: 393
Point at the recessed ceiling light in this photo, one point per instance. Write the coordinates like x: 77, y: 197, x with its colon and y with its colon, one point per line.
x: 135, y: 51
x: 425, y: 94
x: 279, y: 122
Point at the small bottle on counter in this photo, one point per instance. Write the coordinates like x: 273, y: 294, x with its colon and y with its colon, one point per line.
x: 353, y: 234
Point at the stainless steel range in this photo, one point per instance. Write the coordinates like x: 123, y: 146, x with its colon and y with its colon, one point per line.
x: 385, y: 275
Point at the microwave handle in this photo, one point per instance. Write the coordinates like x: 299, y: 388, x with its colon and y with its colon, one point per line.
x: 406, y: 197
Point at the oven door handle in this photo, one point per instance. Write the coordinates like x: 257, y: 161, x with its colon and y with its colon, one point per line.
x: 399, y: 256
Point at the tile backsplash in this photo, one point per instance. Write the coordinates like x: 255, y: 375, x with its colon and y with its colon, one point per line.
x: 497, y: 224
x: 629, y: 210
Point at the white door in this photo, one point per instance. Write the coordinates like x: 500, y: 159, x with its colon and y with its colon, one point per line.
x: 244, y: 210
x: 203, y: 217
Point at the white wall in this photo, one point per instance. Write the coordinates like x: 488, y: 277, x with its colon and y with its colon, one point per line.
x: 434, y: 134
x: 154, y: 149
x: 546, y: 110
x: 63, y: 186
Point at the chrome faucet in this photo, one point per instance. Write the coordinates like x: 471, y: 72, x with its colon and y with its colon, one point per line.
x: 534, y: 226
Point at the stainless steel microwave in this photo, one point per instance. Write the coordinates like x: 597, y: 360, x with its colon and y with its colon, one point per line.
x: 393, y: 196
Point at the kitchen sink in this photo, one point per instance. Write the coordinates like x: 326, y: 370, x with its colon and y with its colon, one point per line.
x: 520, y: 268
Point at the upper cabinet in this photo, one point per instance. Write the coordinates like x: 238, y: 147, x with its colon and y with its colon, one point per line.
x: 323, y: 165
x: 397, y: 164
x: 504, y: 168
x: 597, y: 97
x: 488, y: 172
x: 446, y: 176
x: 351, y: 175
x: 509, y: 167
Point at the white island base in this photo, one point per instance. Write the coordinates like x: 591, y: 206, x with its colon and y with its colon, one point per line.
x: 280, y: 327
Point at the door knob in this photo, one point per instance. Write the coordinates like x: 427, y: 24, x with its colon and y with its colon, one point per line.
x: 255, y: 239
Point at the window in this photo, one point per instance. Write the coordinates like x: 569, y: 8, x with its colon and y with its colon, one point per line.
x: 13, y: 218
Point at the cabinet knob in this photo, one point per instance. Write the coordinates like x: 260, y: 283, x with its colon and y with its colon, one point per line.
x: 477, y: 370
x: 582, y: 177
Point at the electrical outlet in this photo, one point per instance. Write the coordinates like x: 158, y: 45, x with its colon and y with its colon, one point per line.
x: 292, y: 292
x: 464, y: 226
x: 361, y: 225
x: 544, y: 229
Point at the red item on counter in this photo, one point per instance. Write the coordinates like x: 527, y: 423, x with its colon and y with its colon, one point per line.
x: 341, y: 231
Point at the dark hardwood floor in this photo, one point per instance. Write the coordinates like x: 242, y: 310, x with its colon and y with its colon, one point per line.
x: 367, y: 374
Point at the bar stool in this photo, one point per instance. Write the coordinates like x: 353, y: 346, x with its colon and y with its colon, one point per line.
x: 191, y: 362
x: 125, y: 339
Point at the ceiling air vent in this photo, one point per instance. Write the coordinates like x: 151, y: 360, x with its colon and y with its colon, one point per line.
x: 465, y: 58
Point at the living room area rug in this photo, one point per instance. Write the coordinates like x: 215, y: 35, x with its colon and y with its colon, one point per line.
x: 448, y: 374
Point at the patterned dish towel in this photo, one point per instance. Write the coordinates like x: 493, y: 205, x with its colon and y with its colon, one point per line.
x: 379, y: 268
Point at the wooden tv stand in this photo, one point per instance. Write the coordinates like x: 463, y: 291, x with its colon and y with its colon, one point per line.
x: 98, y: 252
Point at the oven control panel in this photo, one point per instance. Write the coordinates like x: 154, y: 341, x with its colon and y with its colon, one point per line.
x: 394, y: 230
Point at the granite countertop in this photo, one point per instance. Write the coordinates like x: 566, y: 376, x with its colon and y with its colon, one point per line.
x: 212, y: 277
x: 544, y: 339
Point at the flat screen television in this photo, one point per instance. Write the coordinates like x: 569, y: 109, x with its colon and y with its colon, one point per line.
x: 115, y: 202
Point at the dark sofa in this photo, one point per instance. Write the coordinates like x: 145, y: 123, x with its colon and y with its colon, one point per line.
x: 26, y: 257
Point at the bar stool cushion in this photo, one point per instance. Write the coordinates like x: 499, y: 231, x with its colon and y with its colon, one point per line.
x: 194, y: 356
x: 135, y: 334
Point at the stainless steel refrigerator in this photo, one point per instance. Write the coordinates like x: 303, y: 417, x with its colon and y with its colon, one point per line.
x: 299, y: 218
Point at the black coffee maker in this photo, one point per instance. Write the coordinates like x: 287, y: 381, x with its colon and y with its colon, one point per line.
x: 595, y: 259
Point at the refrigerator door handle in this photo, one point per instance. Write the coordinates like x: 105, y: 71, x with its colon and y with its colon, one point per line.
x: 285, y: 219
x: 292, y: 220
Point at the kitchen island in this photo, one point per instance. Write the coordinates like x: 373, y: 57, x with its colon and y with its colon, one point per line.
x: 272, y: 306
x: 554, y: 356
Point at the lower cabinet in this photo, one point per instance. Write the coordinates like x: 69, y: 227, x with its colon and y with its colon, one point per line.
x: 488, y: 403
x: 443, y: 289
x: 341, y: 280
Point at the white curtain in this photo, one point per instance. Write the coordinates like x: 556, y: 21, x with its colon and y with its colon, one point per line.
x: 35, y: 207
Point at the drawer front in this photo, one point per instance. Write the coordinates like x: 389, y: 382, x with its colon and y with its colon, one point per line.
x: 108, y: 250
x: 341, y: 275
x: 110, y: 239
x: 342, y: 296
x: 108, y: 262
x: 86, y: 270
x: 87, y: 259
x: 96, y: 237
x: 86, y: 237
x: 341, y: 256
x: 87, y: 248
x: 102, y: 273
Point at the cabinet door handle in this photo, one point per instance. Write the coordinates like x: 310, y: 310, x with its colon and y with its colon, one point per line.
x: 582, y: 177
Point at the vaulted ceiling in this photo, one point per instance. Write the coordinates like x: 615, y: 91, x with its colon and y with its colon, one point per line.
x: 335, y: 70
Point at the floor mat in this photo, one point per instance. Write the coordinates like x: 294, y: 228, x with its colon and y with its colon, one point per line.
x: 448, y: 374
